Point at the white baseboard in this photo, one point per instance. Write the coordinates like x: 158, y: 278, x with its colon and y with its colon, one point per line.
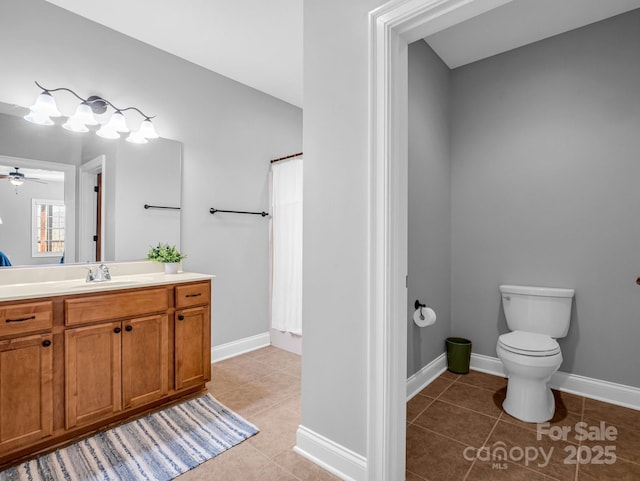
x: 336, y: 459
x: 488, y: 364
x: 425, y: 376
x: 234, y: 348
x: 619, y: 394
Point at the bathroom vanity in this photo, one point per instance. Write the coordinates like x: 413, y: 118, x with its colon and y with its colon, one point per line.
x: 77, y: 357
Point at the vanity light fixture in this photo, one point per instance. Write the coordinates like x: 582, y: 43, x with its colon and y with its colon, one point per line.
x: 45, y: 107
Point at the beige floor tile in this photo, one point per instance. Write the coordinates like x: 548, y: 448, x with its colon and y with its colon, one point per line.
x: 561, y: 418
x: 413, y: 477
x: 483, y: 380
x: 235, y: 464
x: 264, y: 387
x: 502, y: 471
x: 416, y: 405
x: 474, y: 398
x: 278, y: 359
x: 611, y: 413
x: 233, y: 373
x: 245, y: 400
x: 455, y: 422
x: 620, y: 470
x: 434, y: 457
x: 278, y: 426
x: 271, y: 472
x: 601, y: 436
x: 449, y: 375
x: 545, y: 455
x: 277, y: 386
x: 303, y: 469
x: 569, y: 402
x: 437, y: 387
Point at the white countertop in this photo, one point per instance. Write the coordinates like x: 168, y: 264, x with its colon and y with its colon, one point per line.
x: 11, y: 291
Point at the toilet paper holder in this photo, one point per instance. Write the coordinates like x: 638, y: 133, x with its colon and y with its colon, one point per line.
x: 418, y: 305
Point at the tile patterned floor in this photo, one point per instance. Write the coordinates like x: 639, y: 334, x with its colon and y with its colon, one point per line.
x: 456, y: 423
x: 453, y: 414
x: 264, y: 387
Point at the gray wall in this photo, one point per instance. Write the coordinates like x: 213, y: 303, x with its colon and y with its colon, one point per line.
x: 429, y: 203
x: 229, y: 132
x: 19, y: 138
x: 335, y: 231
x: 545, y: 172
x: 146, y: 174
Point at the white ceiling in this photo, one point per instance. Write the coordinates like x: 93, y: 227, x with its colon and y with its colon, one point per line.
x: 519, y: 23
x: 259, y: 42
x: 255, y: 42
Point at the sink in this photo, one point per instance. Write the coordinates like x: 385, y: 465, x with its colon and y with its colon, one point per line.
x: 119, y: 281
x: 104, y: 285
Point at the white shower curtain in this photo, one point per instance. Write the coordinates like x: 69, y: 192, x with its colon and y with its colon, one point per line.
x: 286, y: 293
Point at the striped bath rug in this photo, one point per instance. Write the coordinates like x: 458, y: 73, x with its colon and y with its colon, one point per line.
x: 157, y: 447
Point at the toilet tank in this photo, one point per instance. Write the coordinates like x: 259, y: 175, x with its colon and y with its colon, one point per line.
x: 545, y: 310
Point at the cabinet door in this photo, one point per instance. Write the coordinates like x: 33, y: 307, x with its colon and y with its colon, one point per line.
x: 26, y: 402
x: 192, y: 355
x: 145, y: 360
x: 93, y: 373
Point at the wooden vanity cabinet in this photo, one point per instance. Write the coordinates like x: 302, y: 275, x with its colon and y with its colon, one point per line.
x: 192, y: 334
x: 192, y: 365
x: 93, y: 375
x: 125, y: 353
x: 145, y: 360
x: 26, y: 373
x: 26, y: 402
x: 114, y: 366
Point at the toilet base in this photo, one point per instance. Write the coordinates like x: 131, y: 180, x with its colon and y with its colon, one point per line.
x: 529, y: 400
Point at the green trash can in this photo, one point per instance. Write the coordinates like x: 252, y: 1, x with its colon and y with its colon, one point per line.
x: 458, y: 354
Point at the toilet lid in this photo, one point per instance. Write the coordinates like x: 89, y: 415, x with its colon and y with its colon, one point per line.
x: 529, y: 343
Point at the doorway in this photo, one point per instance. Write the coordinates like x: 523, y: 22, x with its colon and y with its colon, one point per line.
x: 91, y: 224
x: 393, y: 27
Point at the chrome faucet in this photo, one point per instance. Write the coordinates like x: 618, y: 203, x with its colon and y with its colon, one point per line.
x: 102, y: 274
x: 89, y: 277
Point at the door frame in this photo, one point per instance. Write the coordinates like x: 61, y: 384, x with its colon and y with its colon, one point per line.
x: 392, y: 27
x: 86, y: 211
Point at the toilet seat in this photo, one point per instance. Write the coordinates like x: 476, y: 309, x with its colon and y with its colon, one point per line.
x: 529, y: 344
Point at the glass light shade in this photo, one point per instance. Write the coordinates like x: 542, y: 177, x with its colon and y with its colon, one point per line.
x: 136, y: 138
x: 118, y: 123
x: 107, y: 133
x: 16, y: 181
x: 39, y: 119
x: 45, y: 105
x: 83, y: 115
x: 75, y: 126
x: 147, y: 130
x: 0, y: 220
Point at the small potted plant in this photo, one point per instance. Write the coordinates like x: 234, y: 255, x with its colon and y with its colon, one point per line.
x: 170, y: 256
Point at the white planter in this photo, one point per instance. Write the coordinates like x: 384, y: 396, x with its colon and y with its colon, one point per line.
x: 171, y: 267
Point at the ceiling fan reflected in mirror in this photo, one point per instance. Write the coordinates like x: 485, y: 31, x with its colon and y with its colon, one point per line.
x: 18, y: 178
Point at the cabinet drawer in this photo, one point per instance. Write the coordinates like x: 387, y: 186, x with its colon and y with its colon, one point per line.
x: 17, y: 319
x: 193, y: 294
x: 104, y: 307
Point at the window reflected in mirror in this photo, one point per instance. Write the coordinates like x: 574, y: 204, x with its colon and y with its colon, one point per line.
x: 47, y: 229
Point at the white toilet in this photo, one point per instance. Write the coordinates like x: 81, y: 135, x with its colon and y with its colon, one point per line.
x: 530, y: 353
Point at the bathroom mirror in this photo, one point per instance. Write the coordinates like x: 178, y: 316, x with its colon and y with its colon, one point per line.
x: 83, y: 197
